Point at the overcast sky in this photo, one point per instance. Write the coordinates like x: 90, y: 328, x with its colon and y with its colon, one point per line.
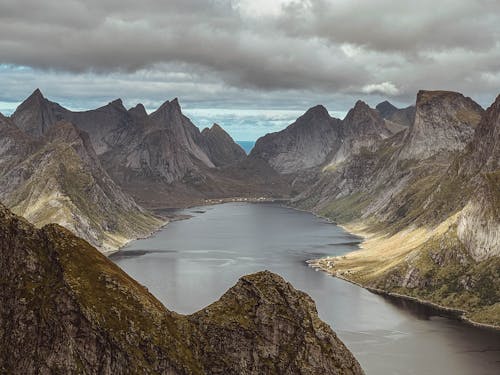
x: 251, y: 65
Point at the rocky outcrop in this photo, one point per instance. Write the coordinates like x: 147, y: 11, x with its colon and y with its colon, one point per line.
x: 402, y: 116
x: 305, y: 144
x: 220, y: 147
x: 444, y: 122
x: 362, y: 128
x: 59, y: 179
x: 65, y: 308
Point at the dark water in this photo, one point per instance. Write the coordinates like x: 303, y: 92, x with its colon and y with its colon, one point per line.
x: 246, y: 145
x: 191, y: 263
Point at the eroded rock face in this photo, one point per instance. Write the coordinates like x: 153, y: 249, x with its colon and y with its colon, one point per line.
x: 479, y: 221
x: 304, y: 144
x: 362, y: 128
x: 58, y: 178
x: 444, y: 122
x: 65, y: 308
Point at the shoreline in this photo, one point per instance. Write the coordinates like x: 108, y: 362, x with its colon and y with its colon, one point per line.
x: 453, y: 313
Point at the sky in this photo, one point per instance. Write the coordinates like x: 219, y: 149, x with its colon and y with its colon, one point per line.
x: 252, y: 66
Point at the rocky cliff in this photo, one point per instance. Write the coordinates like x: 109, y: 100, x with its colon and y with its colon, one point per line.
x: 65, y: 308
x: 58, y: 178
x: 444, y: 121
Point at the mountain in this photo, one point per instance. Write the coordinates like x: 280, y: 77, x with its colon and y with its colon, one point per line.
x: 303, y: 145
x: 58, y: 178
x: 444, y: 121
x: 220, y: 147
x: 37, y: 114
x: 401, y: 116
x: 66, y: 308
x: 361, y: 129
x: 426, y: 201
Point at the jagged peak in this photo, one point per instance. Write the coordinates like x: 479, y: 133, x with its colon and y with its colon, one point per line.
x: 37, y: 94
x: 361, y: 105
x: 172, y: 105
x: 117, y: 103
x: 217, y: 127
x: 139, y: 110
x: 386, y: 108
x: 317, y: 110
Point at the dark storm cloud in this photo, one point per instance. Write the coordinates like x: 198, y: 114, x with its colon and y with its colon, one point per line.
x: 251, y: 51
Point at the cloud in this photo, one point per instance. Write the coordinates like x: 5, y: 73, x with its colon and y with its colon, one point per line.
x: 285, y: 54
x: 386, y: 88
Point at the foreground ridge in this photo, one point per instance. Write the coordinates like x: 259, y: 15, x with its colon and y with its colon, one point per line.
x: 66, y: 308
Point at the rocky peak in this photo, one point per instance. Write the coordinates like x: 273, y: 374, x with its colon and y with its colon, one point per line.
x: 220, y: 147
x: 444, y: 121
x: 117, y: 104
x: 138, y: 111
x: 386, y: 108
x: 36, y: 114
x: 182, y: 131
x: 362, y: 120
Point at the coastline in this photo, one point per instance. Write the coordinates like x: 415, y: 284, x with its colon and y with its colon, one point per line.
x: 452, y: 313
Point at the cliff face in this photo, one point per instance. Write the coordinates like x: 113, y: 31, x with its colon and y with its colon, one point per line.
x: 444, y: 121
x: 305, y: 144
x: 65, y: 308
x: 58, y: 178
x: 479, y: 221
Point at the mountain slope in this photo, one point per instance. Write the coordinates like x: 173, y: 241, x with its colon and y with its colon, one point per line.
x: 431, y: 220
x: 444, y: 121
x: 59, y: 179
x: 65, y: 308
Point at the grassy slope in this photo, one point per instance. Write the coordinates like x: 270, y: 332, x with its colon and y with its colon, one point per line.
x: 420, y: 220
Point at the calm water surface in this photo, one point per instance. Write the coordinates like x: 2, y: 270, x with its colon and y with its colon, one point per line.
x: 191, y: 263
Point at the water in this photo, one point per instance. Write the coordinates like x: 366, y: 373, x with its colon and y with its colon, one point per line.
x: 246, y: 145
x: 191, y: 263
